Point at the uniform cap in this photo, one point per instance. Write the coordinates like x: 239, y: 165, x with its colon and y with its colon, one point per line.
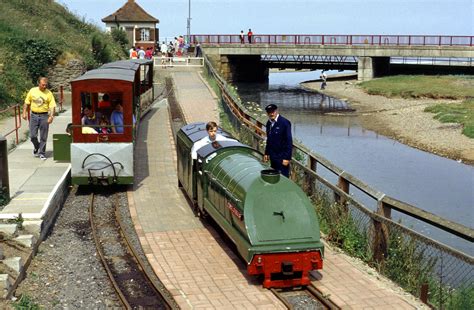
x: 271, y: 107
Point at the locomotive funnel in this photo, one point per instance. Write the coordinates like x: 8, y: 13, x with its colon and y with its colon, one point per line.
x: 271, y: 176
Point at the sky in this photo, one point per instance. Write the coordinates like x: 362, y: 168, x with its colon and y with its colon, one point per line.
x: 416, y: 17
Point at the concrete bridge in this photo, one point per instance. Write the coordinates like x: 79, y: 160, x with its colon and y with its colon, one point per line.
x: 249, y: 61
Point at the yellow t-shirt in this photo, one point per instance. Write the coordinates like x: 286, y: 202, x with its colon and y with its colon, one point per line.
x: 40, y: 101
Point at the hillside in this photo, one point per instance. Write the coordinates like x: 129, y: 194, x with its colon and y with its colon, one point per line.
x: 36, y: 35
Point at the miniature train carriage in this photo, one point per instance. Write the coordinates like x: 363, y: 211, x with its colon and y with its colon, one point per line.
x: 101, y: 146
x: 269, y: 218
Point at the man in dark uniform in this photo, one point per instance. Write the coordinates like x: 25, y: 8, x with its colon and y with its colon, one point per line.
x: 279, y: 141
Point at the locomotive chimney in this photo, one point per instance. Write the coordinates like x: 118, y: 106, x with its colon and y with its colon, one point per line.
x: 271, y: 176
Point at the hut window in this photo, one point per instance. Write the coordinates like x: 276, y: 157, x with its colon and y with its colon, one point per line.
x: 145, y: 34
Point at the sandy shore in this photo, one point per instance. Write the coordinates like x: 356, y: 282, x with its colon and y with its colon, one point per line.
x: 404, y: 120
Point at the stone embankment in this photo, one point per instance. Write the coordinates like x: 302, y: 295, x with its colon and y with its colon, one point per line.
x: 63, y: 72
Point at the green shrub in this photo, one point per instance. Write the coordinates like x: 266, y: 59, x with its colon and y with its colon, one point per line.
x: 100, y: 49
x: 340, y: 228
x: 462, y: 298
x: 456, y: 113
x: 419, y: 86
x: 120, y: 37
x: 37, y: 55
x: 407, y: 264
x: 25, y: 303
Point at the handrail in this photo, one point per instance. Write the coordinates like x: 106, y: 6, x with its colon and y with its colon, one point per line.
x: 17, y: 117
x: 321, y: 39
x: 386, y: 203
x: 177, y: 61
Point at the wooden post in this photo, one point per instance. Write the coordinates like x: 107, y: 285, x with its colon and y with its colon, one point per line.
x: 5, y: 185
x: 381, y: 233
x: 424, y: 293
x: 344, y: 185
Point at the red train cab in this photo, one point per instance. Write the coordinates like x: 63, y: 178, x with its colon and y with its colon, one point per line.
x: 106, y: 106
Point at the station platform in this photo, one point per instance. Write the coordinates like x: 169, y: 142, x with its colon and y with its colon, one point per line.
x: 189, y: 256
x: 37, y: 187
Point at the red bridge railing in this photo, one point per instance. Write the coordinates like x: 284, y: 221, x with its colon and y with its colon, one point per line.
x: 16, y: 111
x: 303, y: 39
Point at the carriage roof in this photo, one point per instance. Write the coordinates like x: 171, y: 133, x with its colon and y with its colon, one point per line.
x: 123, y: 70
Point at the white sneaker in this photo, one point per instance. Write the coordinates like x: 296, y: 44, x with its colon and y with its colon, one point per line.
x: 42, y: 157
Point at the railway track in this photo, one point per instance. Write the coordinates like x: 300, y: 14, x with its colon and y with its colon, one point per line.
x: 304, y: 298
x: 134, y: 283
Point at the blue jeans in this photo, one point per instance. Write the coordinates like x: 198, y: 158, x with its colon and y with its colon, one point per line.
x: 39, y: 122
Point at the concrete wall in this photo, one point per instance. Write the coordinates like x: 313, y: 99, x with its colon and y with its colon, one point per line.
x: 370, y: 67
x: 243, y: 68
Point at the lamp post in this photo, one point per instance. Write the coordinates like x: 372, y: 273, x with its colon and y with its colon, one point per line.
x: 189, y: 22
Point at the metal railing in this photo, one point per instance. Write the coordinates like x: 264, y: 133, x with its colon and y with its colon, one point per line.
x: 320, y: 39
x: 434, y: 61
x: 16, y: 111
x: 178, y: 61
x: 434, y: 267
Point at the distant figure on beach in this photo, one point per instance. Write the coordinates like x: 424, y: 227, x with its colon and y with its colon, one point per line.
x: 323, y: 80
x: 249, y: 36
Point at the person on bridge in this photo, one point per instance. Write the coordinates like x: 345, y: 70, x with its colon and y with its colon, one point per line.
x: 242, y: 37
x: 249, y: 36
x: 279, y: 141
x: 42, y: 105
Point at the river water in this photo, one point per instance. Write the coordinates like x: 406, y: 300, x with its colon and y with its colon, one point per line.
x: 438, y: 185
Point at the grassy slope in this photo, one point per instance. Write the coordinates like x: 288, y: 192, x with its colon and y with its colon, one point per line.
x: 41, y: 20
x: 448, y: 87
x: 417, y: 86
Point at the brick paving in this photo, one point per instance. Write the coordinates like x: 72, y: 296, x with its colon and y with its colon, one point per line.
x: 189, y: 257
x: 192, y: 260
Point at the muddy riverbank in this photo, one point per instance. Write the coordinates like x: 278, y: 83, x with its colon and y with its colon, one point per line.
x: 403, y: 120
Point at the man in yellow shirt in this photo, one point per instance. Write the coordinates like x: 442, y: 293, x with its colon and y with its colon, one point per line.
x: 42, y: 106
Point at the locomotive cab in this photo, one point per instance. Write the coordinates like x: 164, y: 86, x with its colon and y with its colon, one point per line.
x: 187, y: 166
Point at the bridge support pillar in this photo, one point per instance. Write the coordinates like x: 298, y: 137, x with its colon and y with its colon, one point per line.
x: 242, y: 68
x: 370, y: 67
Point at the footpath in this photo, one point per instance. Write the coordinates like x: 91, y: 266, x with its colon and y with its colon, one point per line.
x: 191, y: 259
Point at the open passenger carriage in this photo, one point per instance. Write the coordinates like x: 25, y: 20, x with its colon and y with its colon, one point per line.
x: 101, y: 143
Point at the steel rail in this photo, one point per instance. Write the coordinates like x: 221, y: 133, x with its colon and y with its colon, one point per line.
x: 119, y: 292
x: 281, y: 298
x: 138, y: 259
x: 309, y: 290
x: 324, y: 300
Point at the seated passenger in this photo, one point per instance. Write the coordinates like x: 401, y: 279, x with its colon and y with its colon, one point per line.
x: 104, y: 123
x: 90, y: 117
x: 116, y: 118
x: 212, y: 137
x: 105, y: 102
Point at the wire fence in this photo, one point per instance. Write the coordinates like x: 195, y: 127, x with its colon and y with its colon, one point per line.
x: 441, y: 276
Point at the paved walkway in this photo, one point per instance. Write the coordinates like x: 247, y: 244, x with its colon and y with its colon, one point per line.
x: 190, y: 257
x: 34, y: 182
